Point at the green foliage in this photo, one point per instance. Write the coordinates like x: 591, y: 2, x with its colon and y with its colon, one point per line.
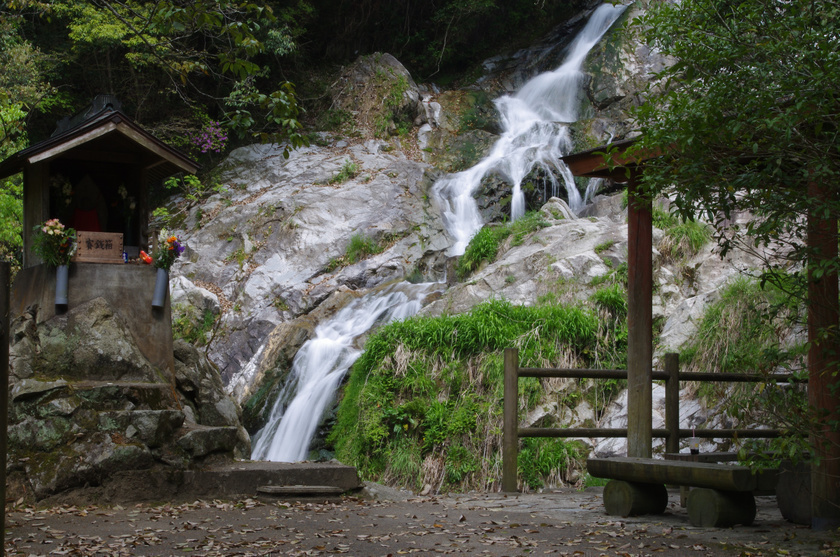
x: 390, y: 104
x: 760, y: 149
x: 605, y: 246
x: 611, y: 298
x: 539, y: 458
x: 745, y: 331
x: 683, y: 237
x: 360, y: 247
x: 11, y: 222
x: 749, y: 330
x: 429, y: 389
x: 190, y: 326
x: 348, y: 171
x: 484, y: 246
x: 191, y: 187
x: 171, y: 64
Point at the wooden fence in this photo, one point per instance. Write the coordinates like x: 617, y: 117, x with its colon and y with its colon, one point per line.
x: 672, y: 432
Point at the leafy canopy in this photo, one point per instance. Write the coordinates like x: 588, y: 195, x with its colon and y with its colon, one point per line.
x: 748, y: 116
x: 165, y: 59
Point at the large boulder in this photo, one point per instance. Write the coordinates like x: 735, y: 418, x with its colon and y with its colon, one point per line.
x: 91, y: 342
x: 380, y: 94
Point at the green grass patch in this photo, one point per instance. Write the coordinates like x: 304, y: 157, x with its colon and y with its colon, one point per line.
x: 484, y: 246
x: 360, y: 247
x: 751, y: 330
x: 429, y: 390
x: 683, y: 238
x: 192, y: 326
x: 349, y: 170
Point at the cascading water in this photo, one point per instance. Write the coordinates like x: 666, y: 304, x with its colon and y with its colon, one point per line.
x: 320, y: 365
x: 535, y: 135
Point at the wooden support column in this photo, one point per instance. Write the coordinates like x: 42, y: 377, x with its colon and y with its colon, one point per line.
x: 823, y: 368
x: 672, y: 402
x: 5, y: 286
x: 510, y: 439
x: 639, y: 322
x: 36, y: 206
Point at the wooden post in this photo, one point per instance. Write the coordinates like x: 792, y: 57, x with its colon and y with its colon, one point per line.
x: 510, y: 440
x: 823, y: 354
x: 639, y: 322
x: 672, y: 402
x: 4, y: 389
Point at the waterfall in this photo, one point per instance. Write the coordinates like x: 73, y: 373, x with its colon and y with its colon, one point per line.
x: 320, y: 365
x: 535, y: 135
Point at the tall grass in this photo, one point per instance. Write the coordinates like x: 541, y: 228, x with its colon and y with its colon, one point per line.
x: 683, y: 238
x: 429, y: 390
x: 485, y: 245
x: 751, y: 329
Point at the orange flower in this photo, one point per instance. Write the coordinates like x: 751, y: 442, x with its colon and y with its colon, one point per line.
x: 172, y: 239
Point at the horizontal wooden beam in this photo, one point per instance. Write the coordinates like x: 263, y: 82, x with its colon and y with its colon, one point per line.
x: 673, y: 472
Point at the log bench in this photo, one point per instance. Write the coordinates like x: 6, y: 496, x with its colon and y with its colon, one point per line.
x: 766, y: 482
x: 722, y: 494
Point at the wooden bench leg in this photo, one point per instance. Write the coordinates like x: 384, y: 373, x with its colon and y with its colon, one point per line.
x: 631, y: 498
x: 713, y: 508
x: 684, y: 490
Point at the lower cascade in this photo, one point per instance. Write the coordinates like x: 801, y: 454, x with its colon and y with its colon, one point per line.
x: 320, y: 365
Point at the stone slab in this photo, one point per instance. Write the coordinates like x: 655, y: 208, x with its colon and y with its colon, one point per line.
x: 246, y: 477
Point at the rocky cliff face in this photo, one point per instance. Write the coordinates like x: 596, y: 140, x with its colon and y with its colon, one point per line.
x: 273, y: 251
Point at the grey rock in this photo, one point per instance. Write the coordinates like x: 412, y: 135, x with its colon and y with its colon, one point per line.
x: 91, y: 342
x: 203, y: 441
x: 152, y: 427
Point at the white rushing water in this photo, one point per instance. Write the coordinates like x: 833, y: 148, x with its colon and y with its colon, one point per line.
x: 321, y: 364
x: 535, y: 135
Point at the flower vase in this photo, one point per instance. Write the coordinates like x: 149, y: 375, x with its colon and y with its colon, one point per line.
x: 161, y: 288
x: 62, y: 280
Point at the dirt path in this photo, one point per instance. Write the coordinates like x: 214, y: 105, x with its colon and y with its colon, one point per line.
x: 562, y: 522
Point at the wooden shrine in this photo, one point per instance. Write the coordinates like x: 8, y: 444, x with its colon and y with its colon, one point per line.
x: 94, y: 175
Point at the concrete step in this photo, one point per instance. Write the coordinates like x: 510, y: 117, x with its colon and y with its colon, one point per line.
x: 300, y: 490
x: 247, y: 478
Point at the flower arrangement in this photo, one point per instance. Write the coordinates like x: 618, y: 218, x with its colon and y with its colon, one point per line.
x: 169, y: 249
x: 54, y: 242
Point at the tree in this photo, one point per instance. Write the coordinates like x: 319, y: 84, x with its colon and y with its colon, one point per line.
x: 748, y: 115
x: 747, y: 120
x: 170, y: 61
x: 22, y: 88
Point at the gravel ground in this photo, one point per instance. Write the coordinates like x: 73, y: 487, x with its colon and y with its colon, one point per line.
x: 389, y: 522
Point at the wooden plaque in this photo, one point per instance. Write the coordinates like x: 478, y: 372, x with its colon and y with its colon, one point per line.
x: 98, y: 247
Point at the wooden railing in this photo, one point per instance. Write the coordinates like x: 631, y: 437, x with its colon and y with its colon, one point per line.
x: 672, y: 432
